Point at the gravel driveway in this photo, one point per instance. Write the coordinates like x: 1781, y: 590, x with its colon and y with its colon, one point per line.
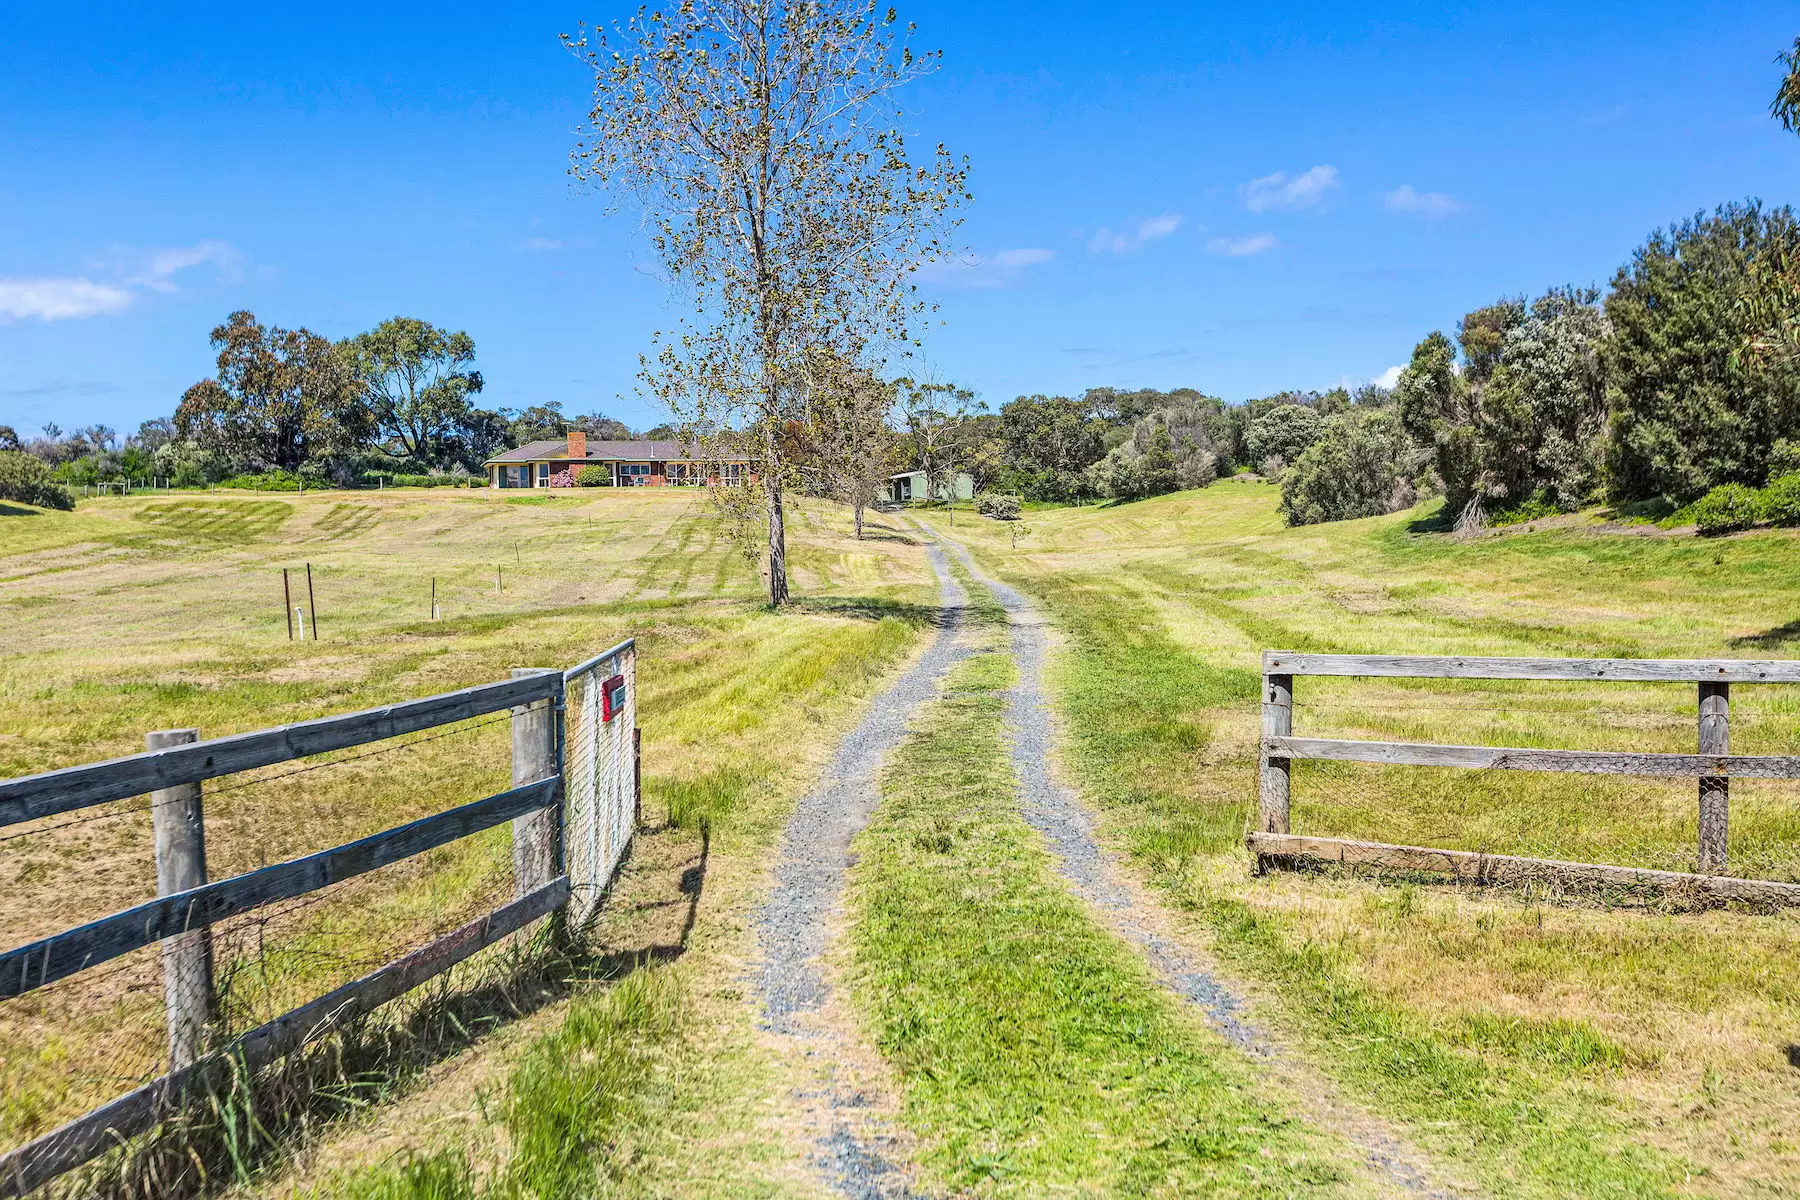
x: 794, y: 926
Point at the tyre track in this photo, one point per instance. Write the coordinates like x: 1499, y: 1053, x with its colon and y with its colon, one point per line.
x: 1063, y: 820
x: 853, y: 1150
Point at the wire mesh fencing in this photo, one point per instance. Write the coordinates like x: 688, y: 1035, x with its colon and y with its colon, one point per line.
x: 451, y: 906
x: 79, y: 1041
x: 600, y: 774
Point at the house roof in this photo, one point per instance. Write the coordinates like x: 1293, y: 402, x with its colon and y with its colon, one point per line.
x: 557, y: 450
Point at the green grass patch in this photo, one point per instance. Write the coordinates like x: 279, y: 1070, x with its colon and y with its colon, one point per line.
x: 1036, y: 1053
x: 1507, y: 1094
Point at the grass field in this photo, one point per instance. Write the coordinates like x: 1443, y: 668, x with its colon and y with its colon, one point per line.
x: 145, y: 613
x: 1037, y: 1054
x: 1558, y: 1047
x: 1541, y: 1045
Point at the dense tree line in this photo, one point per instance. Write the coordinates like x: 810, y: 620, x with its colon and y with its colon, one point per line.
x: 290, y: 404
x: 1660, y: 390
x: 1680, y: 378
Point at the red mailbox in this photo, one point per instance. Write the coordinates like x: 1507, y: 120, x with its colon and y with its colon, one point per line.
x: 612, y: 698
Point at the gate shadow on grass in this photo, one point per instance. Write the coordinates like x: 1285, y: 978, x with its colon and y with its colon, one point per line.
x: 236, y: 1127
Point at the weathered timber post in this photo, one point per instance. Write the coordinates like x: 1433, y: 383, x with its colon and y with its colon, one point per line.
x: 1277, y: 721
x: 537, y: 842
x: 1715, y: 790
x: 287, y: 602
x: 312, y: 605
x: 637, y: 776
x: 179, y: 825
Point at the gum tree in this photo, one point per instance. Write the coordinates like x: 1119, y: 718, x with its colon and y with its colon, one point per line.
x: 762, y: 142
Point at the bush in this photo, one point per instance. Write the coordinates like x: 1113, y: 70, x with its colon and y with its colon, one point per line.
x: 1361, y: 466
x: 387, y: 479
x: 1784, y: 459
x: 562, y: 479
x: 186, y: 465
x: 266, y: 481
x: 594, y: 475
x: 1781, y: 500
x: 1533, y: 509
x: 1726, y: 509
x: 1001, y: 508
x: 28, y: 480
x: 1283, y: 432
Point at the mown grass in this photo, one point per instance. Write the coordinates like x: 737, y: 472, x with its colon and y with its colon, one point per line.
x: 577, y: 1113
x: 118, y: 623
x: 1558, y: 1046
x: 1035, y: 1053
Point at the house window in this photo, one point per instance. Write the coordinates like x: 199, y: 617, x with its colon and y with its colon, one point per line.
x: 543, y: 474
x: 514, y: 477
x: 731, y: 473
x: 633, y: 474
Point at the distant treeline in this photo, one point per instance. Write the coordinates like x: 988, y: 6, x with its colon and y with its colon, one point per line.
x: 1667, y: 386
x: 288, y: 408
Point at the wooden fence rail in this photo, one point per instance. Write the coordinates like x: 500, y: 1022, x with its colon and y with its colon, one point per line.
x: 187, y: 904
x: 1713, y: 765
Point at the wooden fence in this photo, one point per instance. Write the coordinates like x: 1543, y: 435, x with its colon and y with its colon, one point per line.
x: 172, y: 770
x: 1713, y: 765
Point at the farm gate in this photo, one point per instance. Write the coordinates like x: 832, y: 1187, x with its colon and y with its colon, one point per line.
x: 108, y: 1027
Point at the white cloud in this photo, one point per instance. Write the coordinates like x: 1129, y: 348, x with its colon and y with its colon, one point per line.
x: 1388, y: 378
x: 999, y: 269
x: 1021, y: 258
x: 1279, y: 191
x: 68, y: 297
x: 1407, y: 199
x: 1243, y: 247
x: 1136, y: 234
x: 58, y: 299
x: 166, y: 264
x: 544, y: 245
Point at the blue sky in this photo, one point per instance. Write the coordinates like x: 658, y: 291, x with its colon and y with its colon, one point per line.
x: 1237, y: 198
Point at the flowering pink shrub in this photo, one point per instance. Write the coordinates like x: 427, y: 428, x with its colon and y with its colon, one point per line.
x: 562, y: 479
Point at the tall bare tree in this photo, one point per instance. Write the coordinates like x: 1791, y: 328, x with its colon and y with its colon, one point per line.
x: 762, y: 141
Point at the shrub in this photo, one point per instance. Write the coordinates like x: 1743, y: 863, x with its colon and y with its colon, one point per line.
x: 384, y: 478
x: 1001, y: 508
x: 562, y: 479
x: 1283, y: 432
x: 28, y: 480
x: 1533, y: 509
x: 1784, y: 459
x: 265, y: 481
x: 1361, y: 466
x: 594, y: 475
x: 1781, y: 500
x: 1725, y: 509
x: 186, y: 465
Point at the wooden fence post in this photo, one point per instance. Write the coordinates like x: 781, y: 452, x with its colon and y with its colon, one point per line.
x: 537, y: 844
x: 1277, y: 721
x: 1715, y: 790
x: 179, y: 824
x: 637, y: 776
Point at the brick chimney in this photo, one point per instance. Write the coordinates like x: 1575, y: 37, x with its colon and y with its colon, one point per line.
x: 577, y: 445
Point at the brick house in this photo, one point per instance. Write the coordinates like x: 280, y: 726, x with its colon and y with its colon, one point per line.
x: 641, y: 463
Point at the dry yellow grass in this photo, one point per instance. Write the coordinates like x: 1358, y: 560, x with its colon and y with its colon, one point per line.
x: 1448, y: 1007
x: 152, y: 612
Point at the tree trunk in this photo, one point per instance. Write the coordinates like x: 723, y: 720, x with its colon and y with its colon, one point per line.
x: 778, y: 581
x: 859, y: 512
